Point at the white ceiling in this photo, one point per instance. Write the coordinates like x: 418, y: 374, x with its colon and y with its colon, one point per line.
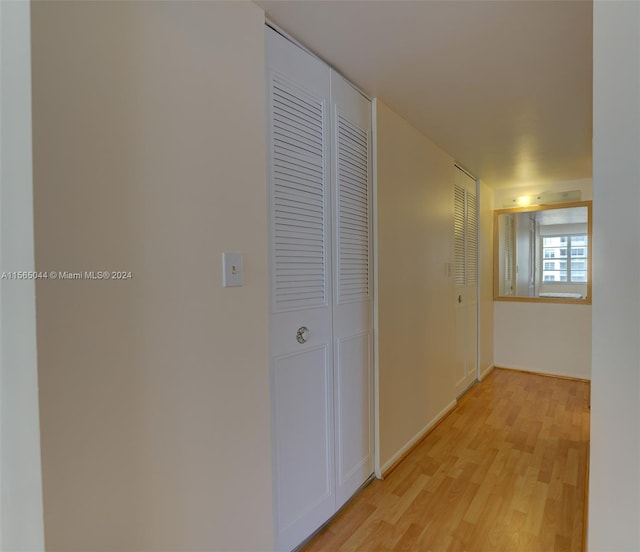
x: 502, y: 86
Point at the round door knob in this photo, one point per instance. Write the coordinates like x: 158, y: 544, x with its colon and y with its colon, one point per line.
x: 302, y: 335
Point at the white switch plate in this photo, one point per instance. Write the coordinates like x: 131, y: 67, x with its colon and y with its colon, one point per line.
x: 231, y: 269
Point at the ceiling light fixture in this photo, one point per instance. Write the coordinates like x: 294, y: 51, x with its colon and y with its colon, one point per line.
x: 544, y: 198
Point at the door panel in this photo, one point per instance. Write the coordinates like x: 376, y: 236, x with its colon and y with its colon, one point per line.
x: 303, y: 437
x: 353, y: 296
x: 354, y: 441
x: 466, y: 280
x: 301, y: 291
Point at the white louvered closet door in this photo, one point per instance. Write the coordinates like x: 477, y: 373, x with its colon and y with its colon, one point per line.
x: 353, y: 287
x: 466, y: 280
x: 301, y: 291
x: 319, y: 144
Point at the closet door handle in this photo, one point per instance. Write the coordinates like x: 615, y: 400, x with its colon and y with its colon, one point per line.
x: 302, y: 334
x: 459, y: 298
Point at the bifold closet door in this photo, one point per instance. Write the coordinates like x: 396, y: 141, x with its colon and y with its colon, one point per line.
x: 319, y: 144
x: 353, y: 286
x: 466, y: 280
x: 301, y: 291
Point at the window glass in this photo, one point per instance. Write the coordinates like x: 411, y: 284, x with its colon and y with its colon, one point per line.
x: 573, y: 264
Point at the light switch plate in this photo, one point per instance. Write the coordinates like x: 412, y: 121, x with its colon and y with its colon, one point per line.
x: 231, y: 270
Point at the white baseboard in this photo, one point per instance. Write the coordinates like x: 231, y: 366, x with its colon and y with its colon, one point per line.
x: 486, y: 372
x: 561, y: 375
x: 416, y: 438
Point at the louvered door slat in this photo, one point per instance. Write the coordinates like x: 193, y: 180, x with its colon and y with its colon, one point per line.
x: 298, y: 197
x: 306, y: 209
x: 309, y: 106
x: 354, y: 154
x: 298, y: 132
x: 294, y: 138
x: 294, y: 152
x: 284, y: 102
x: 303, y: 167
x: 290, y: 238
x: 357, y: 138
x: 356, y: 263
x: 356, y: 158
x: 287, y: 235
x: 300, y: 124
x: 353, y: 211
x: 354, y: 226
x: 298, y: 220
x: 354, y: 196
x: 459, y: 235
x: 356, y: 243
x: 353, y: 171
x: 353, y: 205
x: 303, y: 199
x: 354, y: 222
x: 472, y: 239
x: 298, y: 184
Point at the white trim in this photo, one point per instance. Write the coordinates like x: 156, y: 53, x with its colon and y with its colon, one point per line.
x: 22, y: 526
x: 486, y: 372
x: 465, y: 171
x: 516, y: 368
x: 478, y: 280
x: 376, y: 365
x: 416, y: 438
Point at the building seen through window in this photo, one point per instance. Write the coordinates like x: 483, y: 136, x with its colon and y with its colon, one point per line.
x: 569, y: 254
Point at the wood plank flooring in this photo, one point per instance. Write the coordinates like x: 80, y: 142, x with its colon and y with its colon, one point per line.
x: 504, y: 471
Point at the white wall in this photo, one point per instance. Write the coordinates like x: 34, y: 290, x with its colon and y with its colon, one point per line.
x: 21, y: 526
x: 614, y: 488
x: 485, y: 325
x: 415, y: 310
x: 543, y: 337
x: 415, y: 295
x: 149, y: 156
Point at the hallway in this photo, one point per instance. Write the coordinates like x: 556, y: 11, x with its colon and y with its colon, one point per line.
x: 505, y: 471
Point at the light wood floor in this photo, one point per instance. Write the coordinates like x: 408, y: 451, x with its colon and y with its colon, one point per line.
x: 505, y: 471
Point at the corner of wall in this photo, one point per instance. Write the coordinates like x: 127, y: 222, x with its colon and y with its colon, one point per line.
x: 415, y: 344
